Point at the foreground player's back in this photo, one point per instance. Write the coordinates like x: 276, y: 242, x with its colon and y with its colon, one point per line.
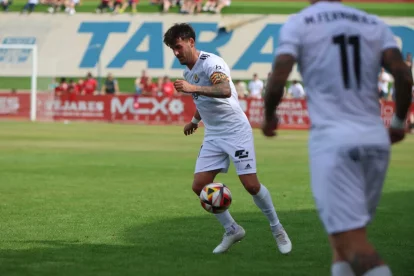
x: 340, y: 50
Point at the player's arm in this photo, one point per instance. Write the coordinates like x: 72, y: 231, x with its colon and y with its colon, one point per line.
x: 220, y: 84
x: 197, y: 115
x: 276, y: 84
x: 393, y: 62
x: 219, y: 89
x: 286, y: 56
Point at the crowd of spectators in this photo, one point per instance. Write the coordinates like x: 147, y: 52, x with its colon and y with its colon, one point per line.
x: 255, y: 89
x: 121, y: 6
x: 54, y: 6
x: 144, y: 85
x: 184, y: 6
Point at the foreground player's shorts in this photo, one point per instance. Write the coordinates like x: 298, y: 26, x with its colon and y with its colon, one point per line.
x: 347, y: 184
x: 216, y: 154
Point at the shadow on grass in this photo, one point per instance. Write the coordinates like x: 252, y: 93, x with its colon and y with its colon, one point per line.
x: 183, y: 246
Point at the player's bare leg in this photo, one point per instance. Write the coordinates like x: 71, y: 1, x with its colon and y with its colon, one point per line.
x: 340, y: 266
x: 234, y: 232
x: 263, y: 200
x: 354, y: 248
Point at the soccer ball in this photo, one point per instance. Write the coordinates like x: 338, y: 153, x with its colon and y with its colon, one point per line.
x: 215, y: 198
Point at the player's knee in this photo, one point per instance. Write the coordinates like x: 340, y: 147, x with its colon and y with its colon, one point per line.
x: 197, y: 187
x: 202, y: 179
x: 250, y: 183
x: 252, y: 188
x: 349, y: 243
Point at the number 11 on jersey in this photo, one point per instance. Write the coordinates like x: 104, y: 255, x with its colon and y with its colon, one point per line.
x: 342, y: 41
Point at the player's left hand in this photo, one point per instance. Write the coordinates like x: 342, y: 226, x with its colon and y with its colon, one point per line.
x: 269, y: 127
x: 183, y: 86
x: 396, y: 135
x: 190, y: 128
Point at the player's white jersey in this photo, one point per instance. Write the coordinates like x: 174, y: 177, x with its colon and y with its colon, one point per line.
x: 221, y: 117
x: 338, y: 50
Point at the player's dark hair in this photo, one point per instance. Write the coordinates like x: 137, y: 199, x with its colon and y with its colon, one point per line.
x: 178, y: 30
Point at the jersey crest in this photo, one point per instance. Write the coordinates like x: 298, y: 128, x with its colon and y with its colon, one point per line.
x: 196, y: 78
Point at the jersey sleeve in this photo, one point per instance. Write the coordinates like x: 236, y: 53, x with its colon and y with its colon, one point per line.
x: 388, y: 40
x: 216, y: 70
x: 289, y: 38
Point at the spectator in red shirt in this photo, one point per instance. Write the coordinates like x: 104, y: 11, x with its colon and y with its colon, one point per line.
x: 150, y: 88
x: 72, y: 90
x: 167, y: 87
x: 79, y: 86
x: 62, y: 88
x: 140, y: 83
x: 90, y: 85
x: 144, y: 78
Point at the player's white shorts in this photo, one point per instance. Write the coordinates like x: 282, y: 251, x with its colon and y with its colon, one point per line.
x: 216, y: 154
x: 347, y: 184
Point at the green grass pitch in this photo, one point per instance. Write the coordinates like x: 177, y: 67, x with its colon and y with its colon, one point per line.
x: 113, y: 199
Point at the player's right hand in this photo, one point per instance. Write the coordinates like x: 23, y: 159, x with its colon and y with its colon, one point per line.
x: 190, y: 128
x: 269, y: 127
x: 396, y: 135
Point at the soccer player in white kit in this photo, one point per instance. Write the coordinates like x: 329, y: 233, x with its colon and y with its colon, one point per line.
x: 340, y: 51
x: 228, y: 135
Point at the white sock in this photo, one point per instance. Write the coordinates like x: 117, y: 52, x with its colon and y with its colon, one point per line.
x: 383, y: 270
x: 227, y: 221
x: 263, y: 200
x: 341, y: 269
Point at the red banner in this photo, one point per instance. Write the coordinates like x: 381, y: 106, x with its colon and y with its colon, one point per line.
x: 14, y: 105
x: 293, y: 114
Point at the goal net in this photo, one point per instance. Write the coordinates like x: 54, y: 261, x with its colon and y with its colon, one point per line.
x: 20, y: 86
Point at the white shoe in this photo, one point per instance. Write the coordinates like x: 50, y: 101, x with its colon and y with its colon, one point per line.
x: 282, y: 239
x: 229, y: 239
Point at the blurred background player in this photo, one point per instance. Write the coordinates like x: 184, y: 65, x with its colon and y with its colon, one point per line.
x: 228, y: 134
x: 340, y: 51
